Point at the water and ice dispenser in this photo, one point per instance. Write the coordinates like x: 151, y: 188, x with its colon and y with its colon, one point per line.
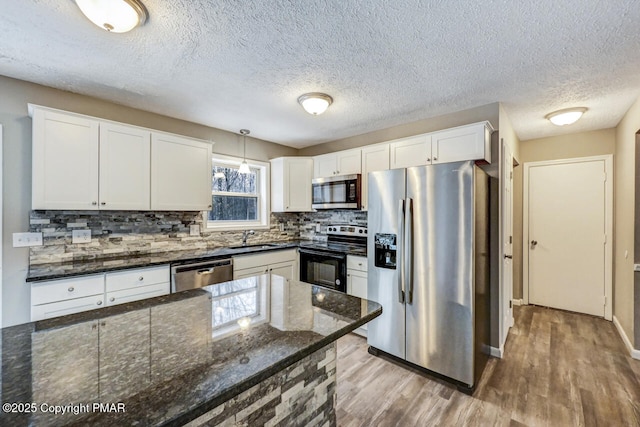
x: 385, y: 250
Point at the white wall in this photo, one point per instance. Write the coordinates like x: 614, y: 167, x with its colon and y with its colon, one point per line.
x: 624, y: 230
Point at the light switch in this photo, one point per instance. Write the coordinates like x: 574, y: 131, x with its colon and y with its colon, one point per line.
x: 80, y: 236
x: 21, y: 240
x: 194, y: 230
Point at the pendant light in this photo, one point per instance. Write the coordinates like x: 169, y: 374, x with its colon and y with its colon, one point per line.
x: 115, y: 16
x: 244, y: 167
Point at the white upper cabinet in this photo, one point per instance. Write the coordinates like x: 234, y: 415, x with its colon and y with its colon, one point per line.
x: 180, y: 173
x: 346, y: 162
x: 374, y: 158
x: 412, y: 151
x: 291, y: 184
x: 125, y: 167
x: 84, y: 163
x: 65, y: 161
x: 471, y: 142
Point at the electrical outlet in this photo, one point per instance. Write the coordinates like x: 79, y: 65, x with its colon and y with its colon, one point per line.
x: 194, y: 230
x: 317, y: 228
x: 81, y: 236
x: 21, y: 240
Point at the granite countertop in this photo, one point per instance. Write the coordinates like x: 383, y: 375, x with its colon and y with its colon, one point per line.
x: 164, y: 360
x: 41, y: 272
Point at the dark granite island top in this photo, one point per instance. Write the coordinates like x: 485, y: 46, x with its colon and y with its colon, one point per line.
x: 170, y: 359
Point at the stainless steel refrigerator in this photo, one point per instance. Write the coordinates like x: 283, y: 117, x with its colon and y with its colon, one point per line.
x: 428, y: 265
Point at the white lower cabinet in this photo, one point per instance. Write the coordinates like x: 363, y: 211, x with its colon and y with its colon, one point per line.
x: 357, y: 283
x: 283, y: 263
x: 67, y: 296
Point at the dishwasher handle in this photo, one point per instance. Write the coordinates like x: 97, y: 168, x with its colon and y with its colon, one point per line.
x: 206, y: 270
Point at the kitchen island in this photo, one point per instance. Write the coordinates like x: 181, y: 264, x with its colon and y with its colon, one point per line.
x: 253, y: 351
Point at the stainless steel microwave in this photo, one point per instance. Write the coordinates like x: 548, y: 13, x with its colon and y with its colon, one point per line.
x: 336, y: 192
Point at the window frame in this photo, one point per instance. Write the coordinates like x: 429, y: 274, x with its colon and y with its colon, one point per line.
x: 262, y: 191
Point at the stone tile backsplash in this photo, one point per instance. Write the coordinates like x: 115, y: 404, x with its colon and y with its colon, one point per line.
x: 127, y: 233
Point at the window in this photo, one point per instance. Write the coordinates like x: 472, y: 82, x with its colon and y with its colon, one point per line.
x: 239, y: 201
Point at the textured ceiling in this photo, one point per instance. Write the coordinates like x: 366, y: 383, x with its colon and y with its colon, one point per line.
x: 242, y: 64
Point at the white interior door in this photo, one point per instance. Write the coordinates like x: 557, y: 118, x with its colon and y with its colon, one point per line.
x: 569, y: 218
x: 507, y: 242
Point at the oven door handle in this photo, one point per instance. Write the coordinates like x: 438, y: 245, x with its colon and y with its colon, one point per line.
x: 323, y: 254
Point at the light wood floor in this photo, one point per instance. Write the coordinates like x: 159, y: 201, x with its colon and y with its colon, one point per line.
x: 559, y: 369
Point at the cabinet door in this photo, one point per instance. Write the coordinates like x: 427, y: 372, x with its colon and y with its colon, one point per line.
x: 462, y: 143
x: 349, y: 162
x: 180, y: 173
x: 138, y: 293
x: 124, y: 355
x: 297, y: 185
x: 62, y: 308
x: 125, y: 167
x: 285, y: 269
x: 358, y: 281
x: 414, y: 151
x: 374, y: 158
x: 325, y: 165
x: 65, y: 161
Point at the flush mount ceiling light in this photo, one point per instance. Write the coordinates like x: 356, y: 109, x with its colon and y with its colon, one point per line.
x: 115, y: 16
x: 566, y: 117
x: 244, y: 167
x: 315, y: 102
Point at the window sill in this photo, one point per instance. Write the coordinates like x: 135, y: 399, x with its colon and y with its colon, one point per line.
x: 235, y: 227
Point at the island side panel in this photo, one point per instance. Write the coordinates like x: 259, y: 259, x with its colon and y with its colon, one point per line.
x: 301, y: 394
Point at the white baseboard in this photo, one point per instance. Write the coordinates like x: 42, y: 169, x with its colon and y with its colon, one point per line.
x: 493, y: 351
x: 517, y: 301
x: 627, y: 342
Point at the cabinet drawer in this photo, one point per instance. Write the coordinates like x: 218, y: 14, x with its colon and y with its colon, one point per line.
x: 137, y: 293
x: 356, y: 263
x: 66, y: 289
x: 266, y: 258
x: 61, y: 308
x: 120, y: 280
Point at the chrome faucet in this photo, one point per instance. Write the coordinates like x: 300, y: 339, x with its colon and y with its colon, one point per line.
x: 245, y: 234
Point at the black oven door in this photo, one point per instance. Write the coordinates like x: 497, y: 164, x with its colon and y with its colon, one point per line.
x: 326, y: 269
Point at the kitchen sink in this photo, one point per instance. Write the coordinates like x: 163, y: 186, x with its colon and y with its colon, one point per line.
x: 257, y: 246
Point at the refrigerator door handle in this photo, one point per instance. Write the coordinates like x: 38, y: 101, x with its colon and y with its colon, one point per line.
x: 400, y: 250
x: 408, y: 249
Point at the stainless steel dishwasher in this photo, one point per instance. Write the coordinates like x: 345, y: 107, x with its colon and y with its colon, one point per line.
x: 198, y: 274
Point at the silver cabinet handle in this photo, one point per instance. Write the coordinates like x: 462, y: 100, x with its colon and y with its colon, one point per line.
x: 435, y: 158
x: 508, y: 256
x: 71, y: 289
x: 360, y: 264
x: 103, y: 203
x: 534, y: 242
x: 94, y: 203
x: 99, y: 303
x: 140, y: 279
x: 210, y: 206
x: 428, y: 159
x: 112, y: 299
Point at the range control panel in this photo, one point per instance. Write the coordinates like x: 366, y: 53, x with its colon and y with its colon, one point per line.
x: 347, y: 230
